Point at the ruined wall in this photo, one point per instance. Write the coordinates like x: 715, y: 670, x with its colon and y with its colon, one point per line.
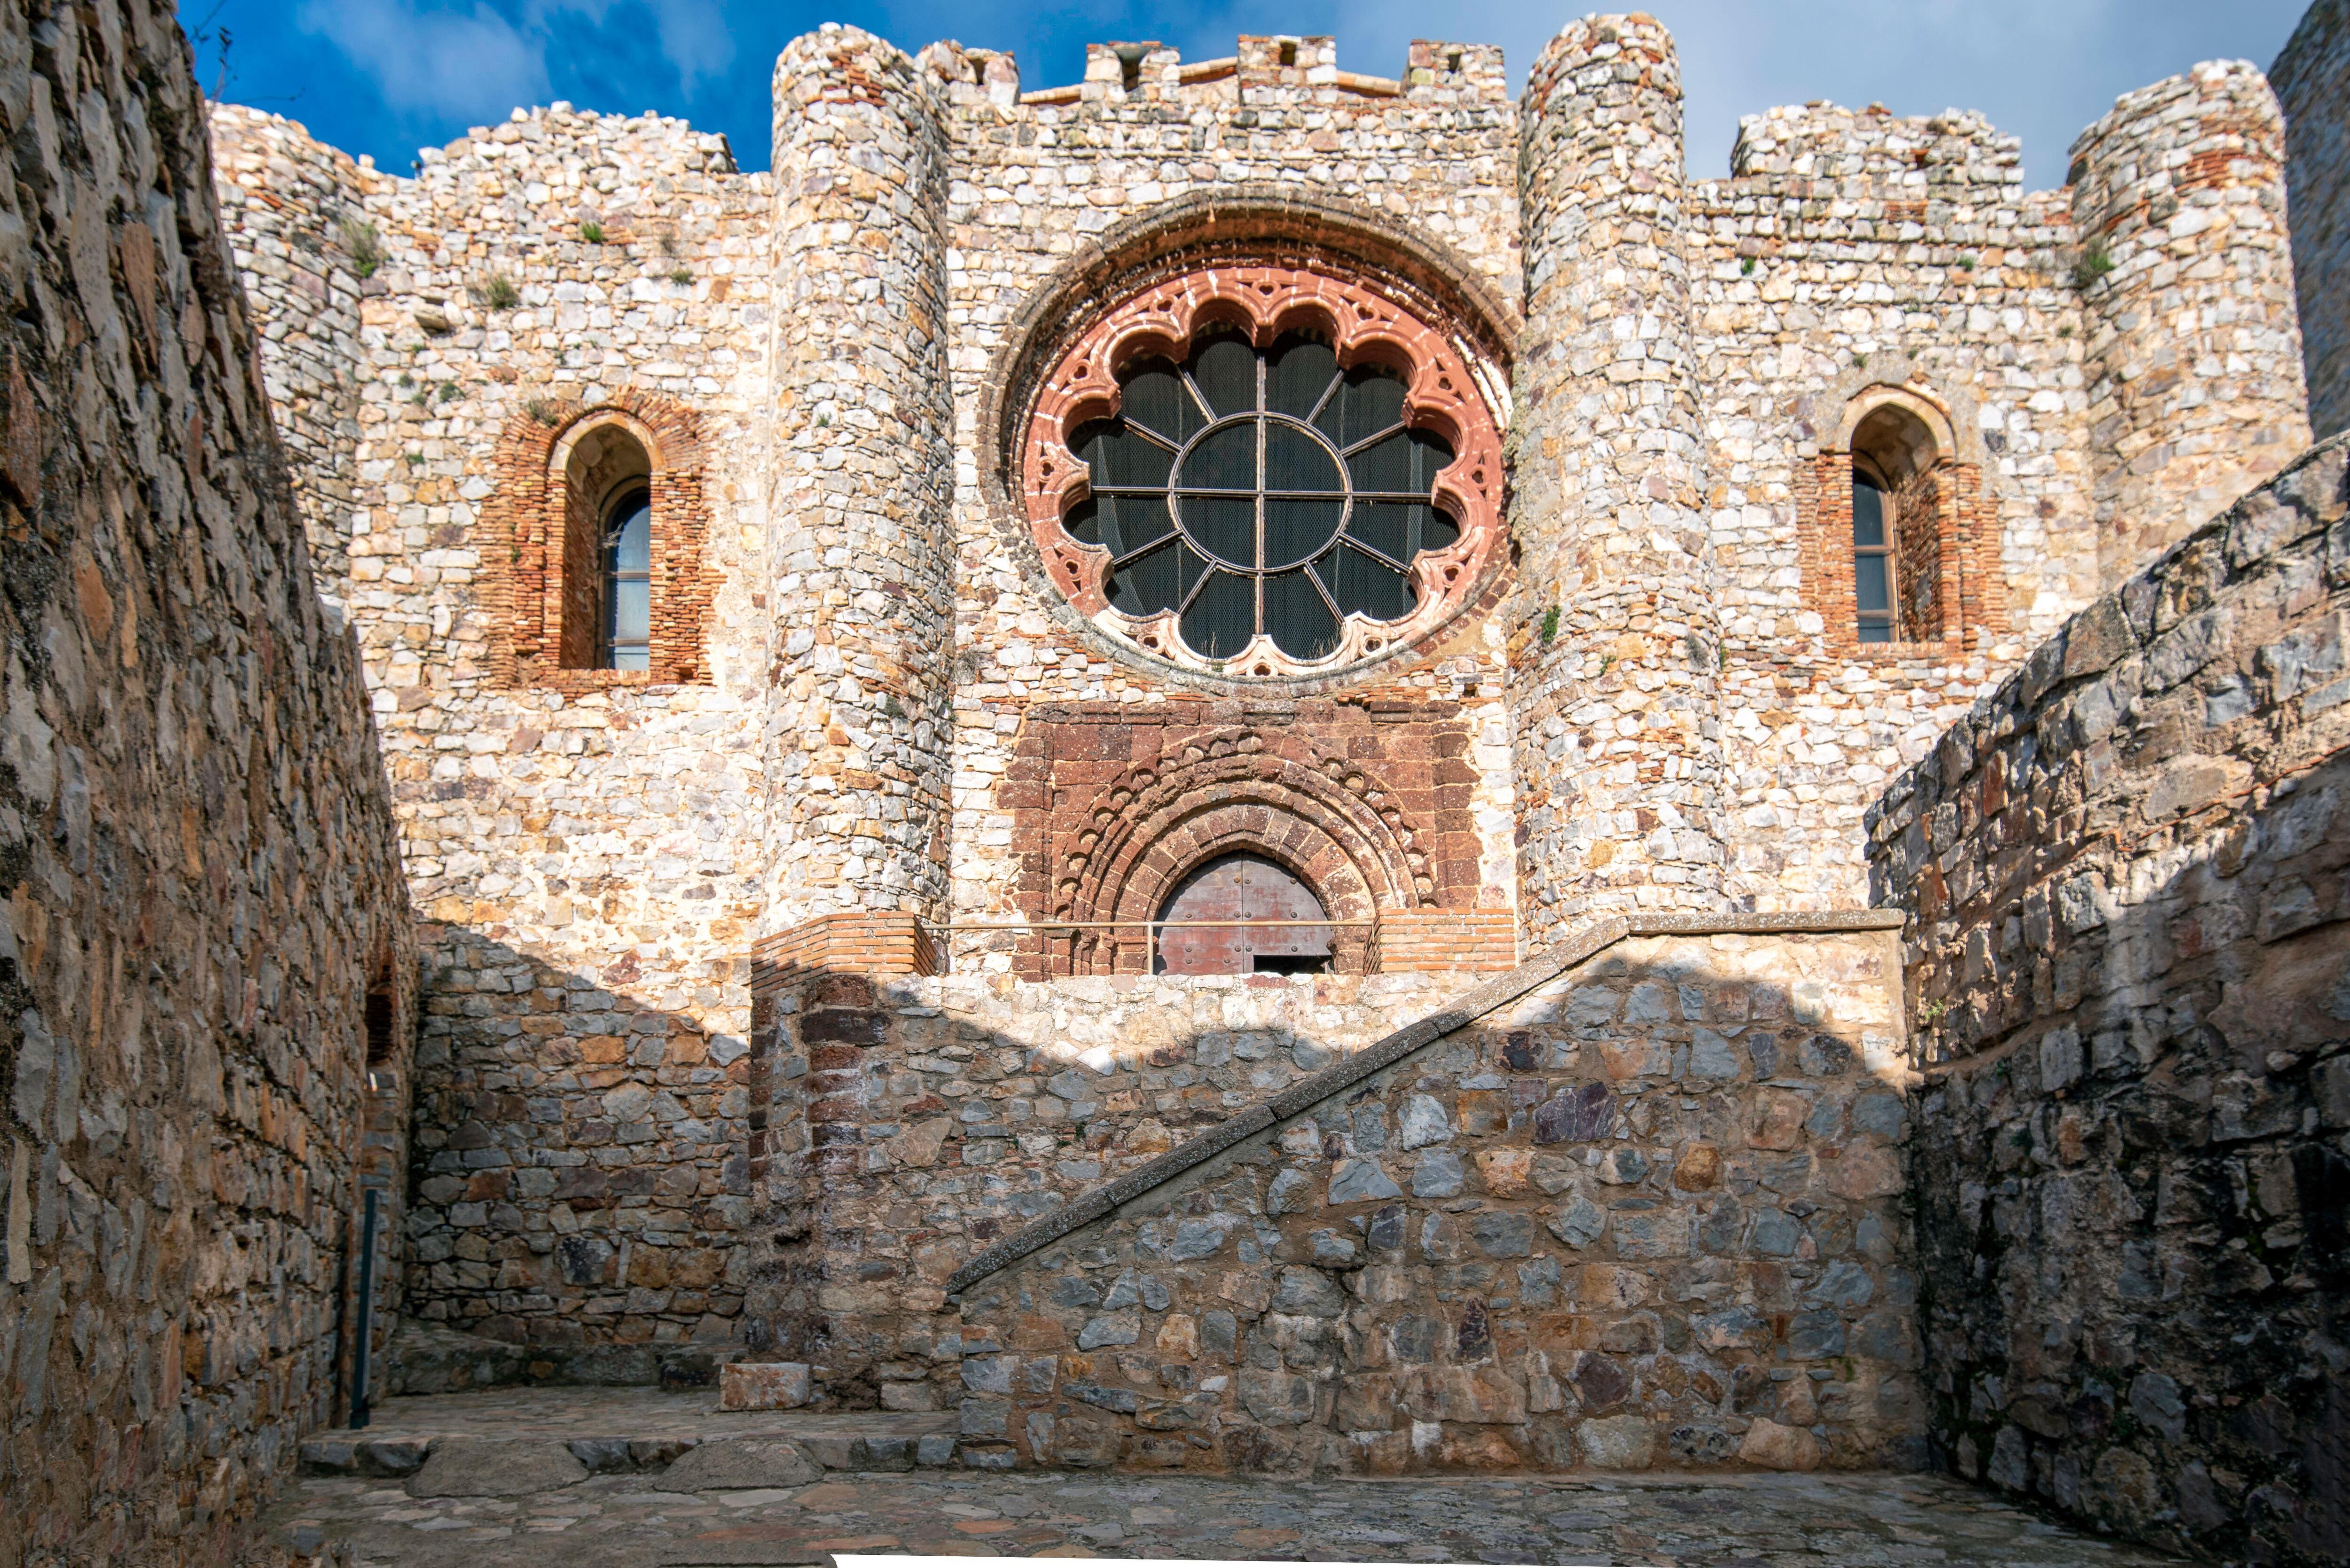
x: 587, y: 844
x: 202, y: 881
x: 2130, y: 955
x: 929, y: 1118
x: 1647, y: 1213
x: 2312, y: 78
x: 305, y: 248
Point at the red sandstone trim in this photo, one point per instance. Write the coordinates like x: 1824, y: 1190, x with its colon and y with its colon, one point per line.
x: 535, y: 556
x: 1265, y: 300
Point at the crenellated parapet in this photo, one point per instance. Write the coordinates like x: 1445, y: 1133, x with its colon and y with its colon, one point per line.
x: 2185, y: 270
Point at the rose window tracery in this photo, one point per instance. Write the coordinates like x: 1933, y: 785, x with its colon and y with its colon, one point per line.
x: 1263, y: 471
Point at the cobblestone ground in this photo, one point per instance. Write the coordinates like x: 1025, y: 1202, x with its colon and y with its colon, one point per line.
x: 1744, y: 1520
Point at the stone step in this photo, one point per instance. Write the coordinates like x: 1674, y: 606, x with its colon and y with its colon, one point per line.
x: 622, y: 1430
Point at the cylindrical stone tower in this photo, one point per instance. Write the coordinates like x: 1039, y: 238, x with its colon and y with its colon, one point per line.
x: 861, y: 548
x: 2185, y: 269
x: 861, y: 608
x: 1616, y: 653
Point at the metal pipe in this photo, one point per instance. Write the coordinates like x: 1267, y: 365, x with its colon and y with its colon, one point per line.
x: 368, y: 1226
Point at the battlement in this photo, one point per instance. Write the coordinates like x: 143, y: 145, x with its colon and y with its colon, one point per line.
x: 1270, y: 69
x: 1873, y: 151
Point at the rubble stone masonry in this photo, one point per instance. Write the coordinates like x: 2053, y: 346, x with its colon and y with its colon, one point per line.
x: 205, y: 957
x: 871, y: 705
x: 1642, y: 1209
x: 2129, y: 962
x: 2312, y: 78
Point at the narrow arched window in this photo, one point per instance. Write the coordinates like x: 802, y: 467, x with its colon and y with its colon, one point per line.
x: 627, y: 622
x: 1872, y: 559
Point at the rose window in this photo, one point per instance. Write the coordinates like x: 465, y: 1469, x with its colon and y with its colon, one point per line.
x: 1283, y: 495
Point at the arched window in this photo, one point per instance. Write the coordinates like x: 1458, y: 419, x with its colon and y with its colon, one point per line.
x: 1261, y: 492
x: 1241, y: 888
x: 627, y: 639
x: 1873, y: 587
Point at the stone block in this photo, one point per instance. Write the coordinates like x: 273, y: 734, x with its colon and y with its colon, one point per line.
x: 764, y: 1386
x: 1618, y: 1442
x: 741, y: 1463
x: 494, y: 1467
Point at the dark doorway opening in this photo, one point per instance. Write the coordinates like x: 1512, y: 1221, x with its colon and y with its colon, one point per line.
x: 1242, y: 888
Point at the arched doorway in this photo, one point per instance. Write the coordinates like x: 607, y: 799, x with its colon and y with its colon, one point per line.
x: 1242, y: 888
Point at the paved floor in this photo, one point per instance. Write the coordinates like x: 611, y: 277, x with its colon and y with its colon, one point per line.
x: 626, y: 1519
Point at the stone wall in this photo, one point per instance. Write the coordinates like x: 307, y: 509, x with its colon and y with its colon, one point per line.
x: 2129, y: 957
x: 2312, y: 78
x: 1615, y: 642
x: 587, y: 843
x: 1856, y: 256
x: 203, y: 887
x: 1627, y: 1207
x: 2184, y: 266
x: 929, y: 1117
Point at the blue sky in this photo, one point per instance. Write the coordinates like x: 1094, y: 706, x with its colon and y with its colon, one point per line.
x: 386, y: 76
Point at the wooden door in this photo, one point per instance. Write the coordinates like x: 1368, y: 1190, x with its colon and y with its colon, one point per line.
x: 1243, y: 888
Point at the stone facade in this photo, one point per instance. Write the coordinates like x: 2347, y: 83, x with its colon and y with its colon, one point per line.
x: 911, y: 1122
x: 209, y: 973
x: 2130, y: 964
x: 1637, y: 1207
x: 2311, y: 75
x: 892, y: 731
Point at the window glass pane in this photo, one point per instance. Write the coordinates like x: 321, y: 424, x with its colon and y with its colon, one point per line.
x: 1295, y: 460
x: 1222, y: 620
x: 1154, y: 397
x: 1869, y: 583
x: 1385, y: 526
x: 1296, y: 617
x: 1296, y: 374
x: 1225, y: 460
x: 1370, y: 402
x: 1876, y: 629
x: 1437, y: 531
x: 1130, y: 521
x: 633, y: 618
x: 1226, y: 372
x: 1364, y: 586
x: 1223, y: 525
x: 1083, y: 521
x: 1296, y: 528
x: 1118, y: 457
x: 1154, y: 582
x: 631, y: 537
x: 1867, y: 515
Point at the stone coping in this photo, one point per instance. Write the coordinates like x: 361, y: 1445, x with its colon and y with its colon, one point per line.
x: 1578, y: 946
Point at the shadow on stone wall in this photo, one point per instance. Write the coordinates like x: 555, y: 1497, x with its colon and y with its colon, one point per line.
x: 579, y: 1177
x: 2135, y: 1224
x: 1649, y: 1214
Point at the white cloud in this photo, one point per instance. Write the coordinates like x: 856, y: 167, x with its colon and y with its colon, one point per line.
x: 473, y: 64
x: 2040, y: 69
x: 478, y: 65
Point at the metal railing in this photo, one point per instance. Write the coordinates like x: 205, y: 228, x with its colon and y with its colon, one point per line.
x: 1150, y: 929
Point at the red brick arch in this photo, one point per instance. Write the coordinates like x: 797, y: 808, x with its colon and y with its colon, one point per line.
x: 531, y: 513
x: 1322, y: 815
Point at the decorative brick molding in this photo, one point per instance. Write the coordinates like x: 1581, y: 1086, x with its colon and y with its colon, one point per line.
x: 869, y: 944
x: 1424, y: 940
x: 1368, y: 803
x: 543, y: 549
x: 1949, y: 587
x: 1265, y: 300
